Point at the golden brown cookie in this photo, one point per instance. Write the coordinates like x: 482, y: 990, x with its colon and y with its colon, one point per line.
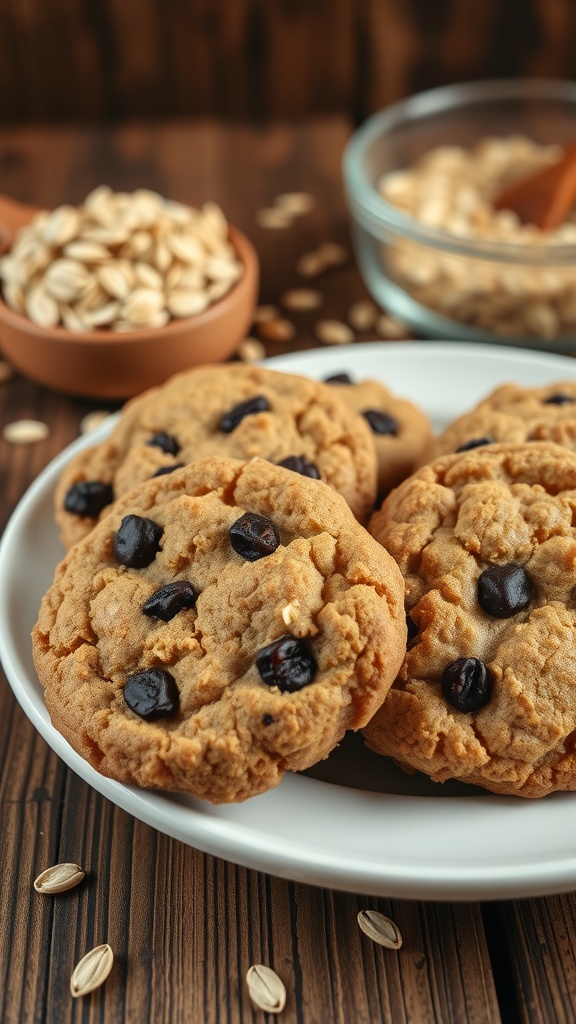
x: 486, y: 542
x: 221, y: 625
x: 512, y: 413
x: 233, y: 410
x: 401, y: 432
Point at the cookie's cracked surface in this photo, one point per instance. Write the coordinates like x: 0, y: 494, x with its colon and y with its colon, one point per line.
x: 249, y: 667
x: 232, y: 410
x: 514, y: 507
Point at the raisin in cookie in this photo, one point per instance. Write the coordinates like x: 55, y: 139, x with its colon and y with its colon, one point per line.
x: 486, y: 541
x: 221, y: 625
x: 236, y: 411
x: 513, y: 413
x: 401, y: 432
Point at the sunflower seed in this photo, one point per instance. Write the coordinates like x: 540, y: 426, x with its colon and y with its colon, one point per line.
x: 388, y: 327
x: 262, y: 314
x: 265, y: 989
x: 87, y: 252
x: 25, y: 431
x: 62, y: 225
x: 311, y: 264
x: 186, y: 303
x: 59, y: 878
x: 380, y: 929
x: 333, y: 254
x: 92, y: 970
x: 41, y: 307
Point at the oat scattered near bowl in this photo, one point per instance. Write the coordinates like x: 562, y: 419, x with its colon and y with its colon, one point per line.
x: 297, y: 203
x: 274, y: 218
x: 333, y: 332
x: 388, y: 327
x: 251, y: 350
x: 362, y: 315
x: 262, y: 314
x: 277, y: 330
x: 300, y: 299
x: 25, y: 432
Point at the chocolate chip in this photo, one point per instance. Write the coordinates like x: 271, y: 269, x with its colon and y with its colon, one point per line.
x: 467, y: 684
x: 164, y: 470
x: 254, y: 536
x: 558, y: 399
x: 413, y: 629
x: 476, y: 442
x: 288, y: 663
x: 88, y: 497
x: 380, y: 422
x: 137, y: 541
x: 300, y: 464
x: 267, y: 720
x: 166, y: 602
x: 504, y: 590
x: 152, y: 694
x: 167, y: 442
x: 231, y: 419
x: 339, y: 378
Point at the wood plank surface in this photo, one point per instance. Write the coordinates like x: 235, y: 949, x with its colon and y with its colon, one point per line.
x: 185, y: 926
x: 247, y: 58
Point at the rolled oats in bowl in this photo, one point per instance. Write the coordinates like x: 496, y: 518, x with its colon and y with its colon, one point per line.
x: 422, y: 178
x: 119, y: 261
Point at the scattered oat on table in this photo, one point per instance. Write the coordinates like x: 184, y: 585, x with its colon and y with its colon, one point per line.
x: 251, y: 350
x: 297, y: 203
x: 362, y: 315
x: 262, y: 314
x: 333, y: 332
x: 300, y: 299
x: 274, y: 218
x: 25, y: 432
x: 388, y: 327
x: 277, y: 330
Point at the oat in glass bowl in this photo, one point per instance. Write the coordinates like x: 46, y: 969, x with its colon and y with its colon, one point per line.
x: 421, y: 178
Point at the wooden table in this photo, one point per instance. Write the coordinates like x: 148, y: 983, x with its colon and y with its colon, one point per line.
x: 186, y: 926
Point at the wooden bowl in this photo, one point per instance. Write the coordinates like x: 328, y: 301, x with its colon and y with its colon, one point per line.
x: 105, y: 364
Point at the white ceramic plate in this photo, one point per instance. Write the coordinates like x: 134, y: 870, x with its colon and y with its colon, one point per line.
x: 380, y: 832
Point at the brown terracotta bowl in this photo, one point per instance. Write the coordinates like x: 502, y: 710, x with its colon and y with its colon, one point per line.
x: 105, y: 364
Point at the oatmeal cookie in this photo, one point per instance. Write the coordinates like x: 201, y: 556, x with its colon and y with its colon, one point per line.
x: 401, y: 432
x: 512, y: 413
x: 486, y: 542
x: 221, y: 625
x: 233, y: 410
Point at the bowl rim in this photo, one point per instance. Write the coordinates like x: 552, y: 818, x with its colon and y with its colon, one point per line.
x: 101, y: 336
x: 377, y: 215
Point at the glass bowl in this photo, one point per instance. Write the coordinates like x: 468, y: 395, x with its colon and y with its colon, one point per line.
x: 440, y: 284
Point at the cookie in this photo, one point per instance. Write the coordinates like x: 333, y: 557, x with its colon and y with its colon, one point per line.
x: 401, y: 432
x: 486, y: 542
x: 512, y: 413
x: 233, y: 410
x: 221, y: 625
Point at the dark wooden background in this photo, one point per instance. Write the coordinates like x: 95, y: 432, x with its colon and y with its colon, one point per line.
x: 94, y: 59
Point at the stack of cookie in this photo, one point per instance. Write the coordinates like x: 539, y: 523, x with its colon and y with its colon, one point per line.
x: 222, y: 615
